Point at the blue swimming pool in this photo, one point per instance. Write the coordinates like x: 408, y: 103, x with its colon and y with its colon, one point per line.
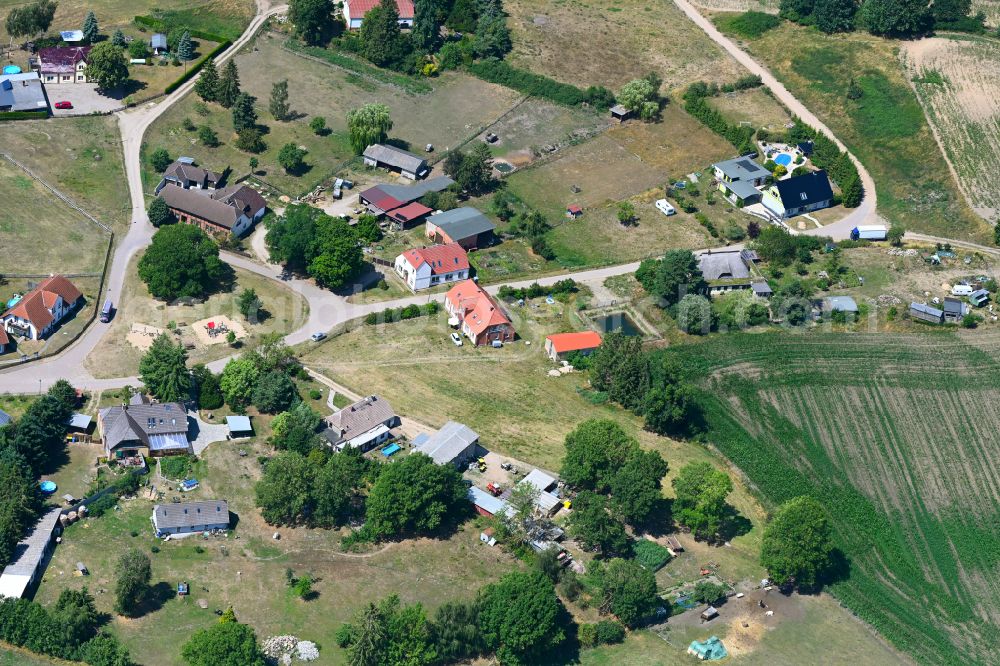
x: 784, y: 159
x: 11, y: 69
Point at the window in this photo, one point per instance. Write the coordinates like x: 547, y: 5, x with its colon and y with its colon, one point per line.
x: 803, y: 196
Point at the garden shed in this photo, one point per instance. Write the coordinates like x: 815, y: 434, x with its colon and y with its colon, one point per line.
x: 239, y: 426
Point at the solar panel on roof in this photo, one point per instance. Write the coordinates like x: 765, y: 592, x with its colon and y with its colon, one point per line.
x: 746, y: 164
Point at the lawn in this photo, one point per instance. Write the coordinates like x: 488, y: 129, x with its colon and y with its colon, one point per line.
x: 246, y: 570
x: 227, y: 18
x: 885, y: 431
x: 609, y: 43
x: 41, y: 234
x: 958, y: 86
x: 885, y: 127
x: 114, y: 356
x: 81, y: 157
x: 458, y: 108
x: 754, y: 106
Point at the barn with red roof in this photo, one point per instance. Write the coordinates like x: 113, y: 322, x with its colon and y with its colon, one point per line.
x: 558, y: 345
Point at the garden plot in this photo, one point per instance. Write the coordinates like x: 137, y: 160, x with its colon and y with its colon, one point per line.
x: 609, y: 43
x: 958, y: 83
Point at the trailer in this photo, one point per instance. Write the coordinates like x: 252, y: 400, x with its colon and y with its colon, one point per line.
x: 870, y: 232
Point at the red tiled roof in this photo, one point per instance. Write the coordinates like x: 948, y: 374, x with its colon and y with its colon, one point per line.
x: 479, y: 308
x: 359, y: 8
x: 380, y: 199
x: 35, y: 305
x: 573, y: 208
x: 441, y: 258
x: 3, y: 336
x: 409, y: 212
x: 567, y: 342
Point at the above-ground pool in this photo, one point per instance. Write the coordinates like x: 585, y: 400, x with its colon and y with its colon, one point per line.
x: 11, y: 69
x: 47, y: 487
x: 784, y: 159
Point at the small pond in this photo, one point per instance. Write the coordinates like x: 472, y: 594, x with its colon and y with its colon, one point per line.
x: 617, y: 321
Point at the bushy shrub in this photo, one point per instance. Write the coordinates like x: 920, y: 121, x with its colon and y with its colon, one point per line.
x: 749, y: 25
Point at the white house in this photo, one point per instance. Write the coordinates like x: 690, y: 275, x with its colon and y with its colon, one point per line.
x: 63, y: 64
x: 188, y: 517
x: 801, y: 194
x: 355, y: 11
x: 422, y: 268
x: 39, y: 312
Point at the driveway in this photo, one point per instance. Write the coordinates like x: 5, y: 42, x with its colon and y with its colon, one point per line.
x: 203, y: 433
x: 84, y: 96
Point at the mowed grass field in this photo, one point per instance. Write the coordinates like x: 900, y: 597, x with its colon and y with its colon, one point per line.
x: 885, y: 128
x: 457, y: 108
x: 227, y: 18
x: 888, y: 432
x: 81, y: 157
x: 753, y: 106
x: 115, y: 356
x: 610, y: 43
x: 958, y: 84
x: 41, y: 234
x: 631, y: 162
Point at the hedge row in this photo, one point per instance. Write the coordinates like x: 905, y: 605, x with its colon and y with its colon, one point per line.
x: 24, y: 115
x: 399, y: 314
x: 162, y: 26
x: 738, y: 135
x: 30, y: 625
x: 500, y: 72
x: 195, y: 68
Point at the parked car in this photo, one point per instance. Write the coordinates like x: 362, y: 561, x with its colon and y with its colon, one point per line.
x: 664, y: 207
x: 316, y: 337
x: 64, y: 105
x: 457, y: 339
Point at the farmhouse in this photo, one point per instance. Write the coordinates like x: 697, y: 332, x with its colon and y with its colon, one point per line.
x: 363, y: 425
x: 233, y: 209
x: 63, y: 64
x: 801, y: 194
x: 558, y: 345
x: 431, y: 266
x: 188, y: 517
x: 155, y: 429
x: 395, y: 159
x: 726, y: 270
x: 38, y: 313
x: 28, y: 561
x: 465, y: 226
x: 739, y: 179
x: 22, y: 92
x: 480, y: 317
x: 185, y: 174
x: 356, y: 10
x: 455, y: 443
x: 926, y: 313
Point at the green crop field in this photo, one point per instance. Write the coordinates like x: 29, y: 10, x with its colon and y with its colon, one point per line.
x: 894, y: 435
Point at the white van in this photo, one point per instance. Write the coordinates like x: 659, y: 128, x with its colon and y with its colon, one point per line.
x: 962, y: 290
x: 664, y: 207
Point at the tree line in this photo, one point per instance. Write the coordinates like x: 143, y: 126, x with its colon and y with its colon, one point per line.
x: 885, y: 18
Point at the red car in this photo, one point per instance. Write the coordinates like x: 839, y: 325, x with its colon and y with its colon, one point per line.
x: 64, y: 105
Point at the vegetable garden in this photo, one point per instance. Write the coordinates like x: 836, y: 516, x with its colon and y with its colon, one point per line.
x: 893, y: 436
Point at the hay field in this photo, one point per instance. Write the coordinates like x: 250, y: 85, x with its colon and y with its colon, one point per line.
x: 766, y: 6
x: 991, y: 8
x: 609, y: 43
x: 888, y: 432
x: 958, y: 83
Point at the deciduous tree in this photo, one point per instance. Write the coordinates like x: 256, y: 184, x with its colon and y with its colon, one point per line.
x: 224, y: 644
x: 159, y: 213
x: 274, y: 392
x: 834, y: 15
x: 382, y: 43
x: 160, y: 159
x: 134, y: 572
x: 798, y: 544
x: 595, y: 528
x: 415, y: 496
x: 182, y: 261
x: 278, y: 105
x: 284, y: 492
x: 291, y: 158
x: 671, y: 277
x: 895, y: 18
x: 700, y: 499
x: 628, y: 590
x: 369, y: 124
x: 636, y: 487
x: 238, y: 380
x: 519, y: 618
x: 595, y: 451
x: 313, y: 20
x: 106, y: 66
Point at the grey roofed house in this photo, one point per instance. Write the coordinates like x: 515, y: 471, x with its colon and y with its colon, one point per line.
x: 925, y: 312
x: 408, y: 193
x: 200, y: 205
x: 454, y: 443
x: 741, y: 168
x: 840, y: 304
x: 463, y: 222
x: 367, y: 420
x: 161, y: 427
x: 22, y: 92
x: 191, y: 516
x: 761, y: 289
x: 410, y: 165
x: 724, y: 264
x: 243, y: 198
x: 188, y: 175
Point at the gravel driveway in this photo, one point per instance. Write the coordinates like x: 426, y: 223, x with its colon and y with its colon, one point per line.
x: 84, y: 97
